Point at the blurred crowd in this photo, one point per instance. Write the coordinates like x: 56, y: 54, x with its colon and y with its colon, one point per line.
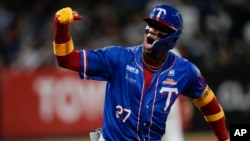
x: 216, y: 34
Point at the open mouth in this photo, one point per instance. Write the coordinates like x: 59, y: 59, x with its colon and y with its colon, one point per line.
x: 150, y: 40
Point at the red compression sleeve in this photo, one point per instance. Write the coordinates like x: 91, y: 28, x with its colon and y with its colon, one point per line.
x: 62, y: 35
x: 61, y: 32
x: 213, y: 113
x: 218, y: 126
x: 70, y: 61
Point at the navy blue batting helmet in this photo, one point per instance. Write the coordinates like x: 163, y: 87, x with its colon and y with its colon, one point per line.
x: 172, y: 19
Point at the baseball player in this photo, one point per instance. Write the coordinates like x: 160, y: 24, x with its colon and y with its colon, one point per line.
x: 143, y: 81
x: 174, y: 129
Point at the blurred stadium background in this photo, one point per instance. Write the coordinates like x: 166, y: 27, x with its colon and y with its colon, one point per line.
x: 40, y: 101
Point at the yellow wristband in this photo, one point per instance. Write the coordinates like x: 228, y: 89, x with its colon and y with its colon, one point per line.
x: 63, y: 49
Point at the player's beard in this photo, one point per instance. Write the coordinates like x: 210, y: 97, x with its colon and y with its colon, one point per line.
x: 154, y: 56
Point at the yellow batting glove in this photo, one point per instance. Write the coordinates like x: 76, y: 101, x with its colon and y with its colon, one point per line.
x: 67, y: 15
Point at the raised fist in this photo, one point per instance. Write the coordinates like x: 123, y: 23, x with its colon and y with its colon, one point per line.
x: 67, y: 15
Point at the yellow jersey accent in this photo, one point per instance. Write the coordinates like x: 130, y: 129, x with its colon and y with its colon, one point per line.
x: 205, y: 98
x: 63, y: 49
x: 215, y: 117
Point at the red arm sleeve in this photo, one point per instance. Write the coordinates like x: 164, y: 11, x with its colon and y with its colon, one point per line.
x: 213, y: 113
x: 61, y: 32
x: 218, y: 126
x: 70, y: 61
x: 62, y: 35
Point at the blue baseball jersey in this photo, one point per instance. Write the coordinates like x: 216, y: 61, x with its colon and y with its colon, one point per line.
x: 130, y: 111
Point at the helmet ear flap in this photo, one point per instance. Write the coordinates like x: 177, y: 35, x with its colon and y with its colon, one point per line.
x: 167, y: 43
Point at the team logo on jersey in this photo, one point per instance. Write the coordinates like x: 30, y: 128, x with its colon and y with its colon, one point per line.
x: 132, y: 69
x: 169, y: 81
x: 171, y: 73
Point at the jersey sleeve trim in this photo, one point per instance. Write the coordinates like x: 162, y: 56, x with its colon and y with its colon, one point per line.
x: 83, y: 67
x: 64, y: 48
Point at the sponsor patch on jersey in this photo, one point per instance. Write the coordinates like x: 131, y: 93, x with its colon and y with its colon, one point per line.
x: 131, y: 80
x: 169, y: 81
x: 132, y: 69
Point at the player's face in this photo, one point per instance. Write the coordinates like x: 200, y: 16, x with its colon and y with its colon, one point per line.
x: 154, y: 31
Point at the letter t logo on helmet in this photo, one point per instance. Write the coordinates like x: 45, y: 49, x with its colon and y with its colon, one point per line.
x: 169, y: 17
x: 160, y: 11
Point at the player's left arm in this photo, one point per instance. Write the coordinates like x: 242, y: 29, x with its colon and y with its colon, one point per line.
x: 213, y: 113
x: 63, y: 45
